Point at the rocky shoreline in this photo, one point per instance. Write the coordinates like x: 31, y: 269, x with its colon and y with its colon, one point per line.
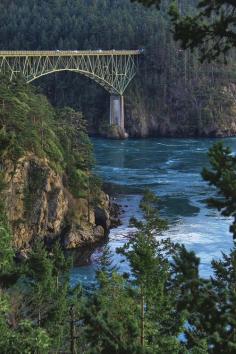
x: 39, y: 205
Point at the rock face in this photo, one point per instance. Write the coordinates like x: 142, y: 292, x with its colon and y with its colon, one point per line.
x: 40, y: 206
x: 184, y: 115
x: 141, y: 124
x: 151, y: 127
x: 113, y: 132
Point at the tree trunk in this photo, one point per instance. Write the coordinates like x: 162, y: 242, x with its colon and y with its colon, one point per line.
x: 39, y: 318
x: 72, y: 331
x: 142, y: 318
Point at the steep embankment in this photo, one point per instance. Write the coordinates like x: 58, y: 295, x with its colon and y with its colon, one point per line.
x: 46, y: 159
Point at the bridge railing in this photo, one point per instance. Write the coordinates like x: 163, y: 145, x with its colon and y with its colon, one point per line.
x: 40, y: 53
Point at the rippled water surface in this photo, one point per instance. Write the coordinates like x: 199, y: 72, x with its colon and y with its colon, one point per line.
x: 171, y: 168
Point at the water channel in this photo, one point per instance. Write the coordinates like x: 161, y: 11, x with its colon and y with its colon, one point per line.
x: 172, y: 169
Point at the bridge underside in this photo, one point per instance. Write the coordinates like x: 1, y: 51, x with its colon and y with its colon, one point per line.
x: 113, y: 70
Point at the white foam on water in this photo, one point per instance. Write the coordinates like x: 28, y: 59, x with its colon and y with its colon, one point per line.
x: 172, y: 169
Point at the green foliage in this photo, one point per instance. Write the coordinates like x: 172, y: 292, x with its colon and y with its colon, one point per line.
x: 105, y: 264
x: 26, y: 338
x: 6, y: 248
x: 45, y: 300
x: 211, y: 28
x: 77, y: 148
x: 160, y: 323
x: 110, y: 317
x: 223, y: 176
x: 211, y: 306
x: 211, y: 303
x: 30, y: 125
x: 41, y: 321
x: 26, y: 123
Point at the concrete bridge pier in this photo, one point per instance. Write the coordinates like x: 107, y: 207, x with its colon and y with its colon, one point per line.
x: 117, y: 114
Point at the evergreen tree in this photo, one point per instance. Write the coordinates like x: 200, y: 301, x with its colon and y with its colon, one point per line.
x: 211, y: 27
x: 110, y: 317
x: 47, y: 292
x: 210, y: 303
x: 6, y: 249
x: 23, y: 337
x: 223, y: 176
x: 147, y: 255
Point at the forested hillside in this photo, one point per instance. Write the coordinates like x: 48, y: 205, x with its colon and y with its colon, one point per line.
x: 173, y: 93
x: 45, y: 172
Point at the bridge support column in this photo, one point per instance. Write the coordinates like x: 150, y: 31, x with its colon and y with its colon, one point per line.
x: 117, y: 114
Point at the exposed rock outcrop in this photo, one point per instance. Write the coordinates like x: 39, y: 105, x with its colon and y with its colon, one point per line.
x: 141, y: 124
x: 113, y: 132
x: 39, y: 205
x: 185, y: 114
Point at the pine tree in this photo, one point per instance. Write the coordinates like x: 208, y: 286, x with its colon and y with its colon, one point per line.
x: 222, y: 175
x: 47, y: 295
x: 23, y: 338
x: 212, y: 302
x: 8, y: 272
x: 147, y: 255
x: 110, y: 317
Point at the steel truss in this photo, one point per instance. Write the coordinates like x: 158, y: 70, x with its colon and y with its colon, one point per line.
x: 111, y: 69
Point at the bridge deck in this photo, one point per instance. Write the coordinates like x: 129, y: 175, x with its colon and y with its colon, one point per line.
x: 66, y: 53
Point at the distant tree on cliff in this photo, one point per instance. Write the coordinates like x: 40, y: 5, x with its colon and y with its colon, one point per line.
x: 211, y: 28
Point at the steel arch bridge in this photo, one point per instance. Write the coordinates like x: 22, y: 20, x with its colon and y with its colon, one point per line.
x: 112, y: 69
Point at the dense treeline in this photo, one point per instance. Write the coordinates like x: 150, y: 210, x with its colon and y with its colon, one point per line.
x: 173, y: 94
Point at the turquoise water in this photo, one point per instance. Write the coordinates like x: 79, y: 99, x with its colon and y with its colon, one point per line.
x: 171, y: 168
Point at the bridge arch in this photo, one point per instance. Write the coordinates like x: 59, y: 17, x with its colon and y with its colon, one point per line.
x: 102, y: 82
x: 113, y: 70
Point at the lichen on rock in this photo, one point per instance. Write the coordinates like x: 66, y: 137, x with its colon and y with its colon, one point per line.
x: 39, y: 205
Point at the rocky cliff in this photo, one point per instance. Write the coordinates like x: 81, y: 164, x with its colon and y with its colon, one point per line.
x: 38, y: 204
x: 142, y: 124
x: 185, y: 114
